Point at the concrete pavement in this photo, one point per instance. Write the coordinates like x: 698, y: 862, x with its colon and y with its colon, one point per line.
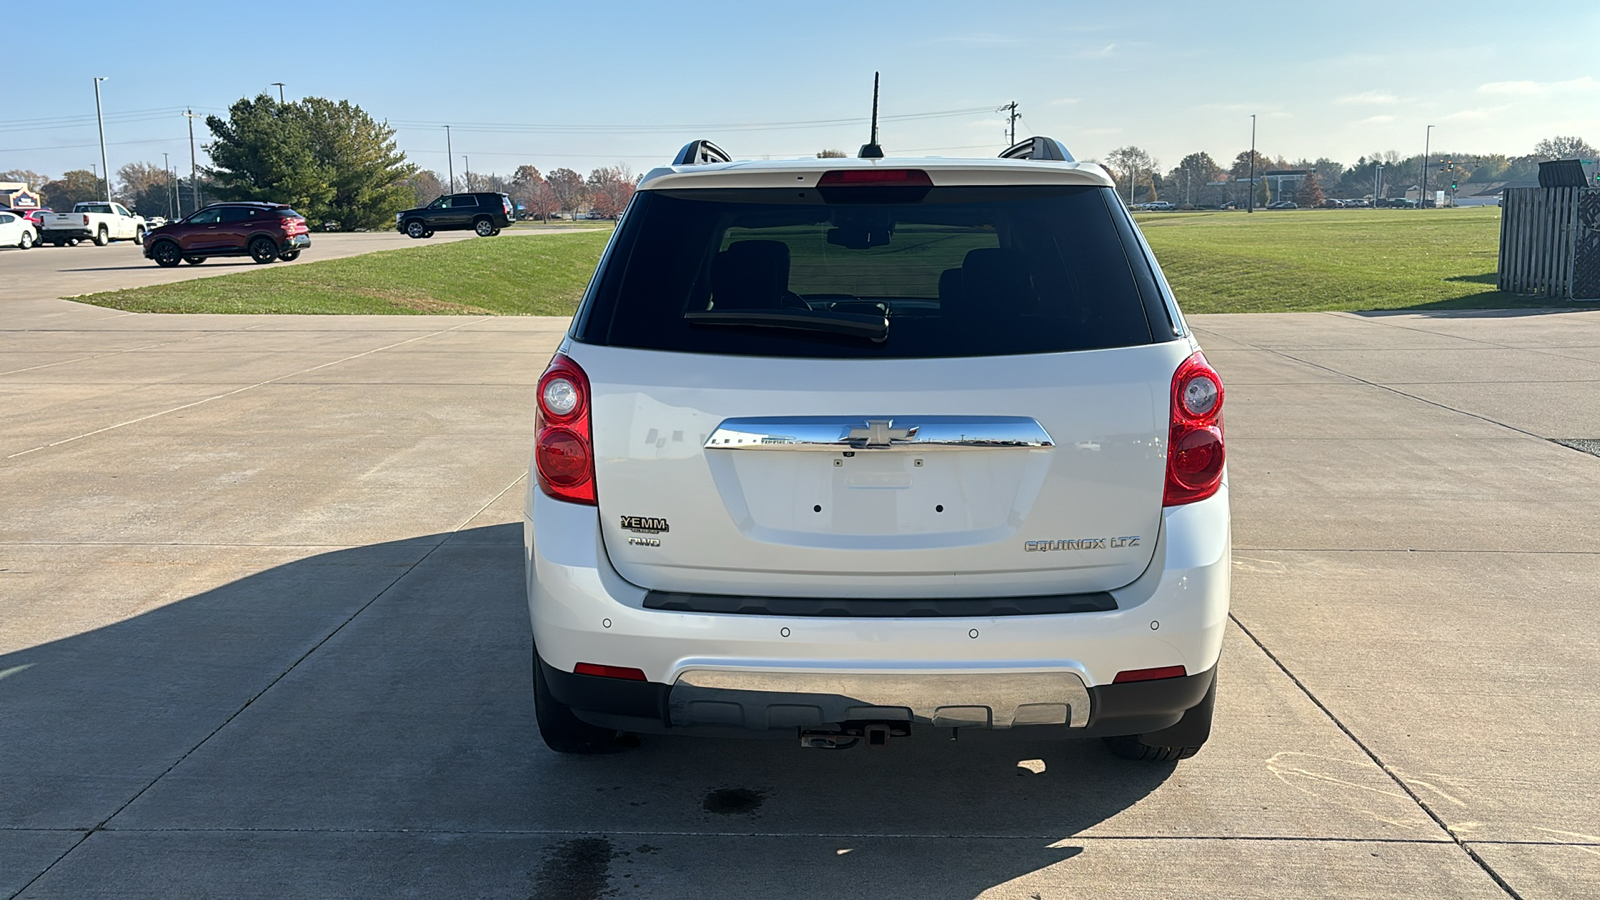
x: 262, y: 635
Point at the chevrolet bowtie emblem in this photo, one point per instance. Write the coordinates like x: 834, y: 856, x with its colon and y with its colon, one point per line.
x: 879, y: 433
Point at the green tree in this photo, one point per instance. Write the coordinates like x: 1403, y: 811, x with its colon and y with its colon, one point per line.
x: 262, y: 151
x: 74, y: 187
x: 358, y: 160
x: 330, y: 160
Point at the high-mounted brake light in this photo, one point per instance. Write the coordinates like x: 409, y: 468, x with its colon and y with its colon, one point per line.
x: 563, y: 452
x: 626, y: 674
x: 1195, y: 448
x: 875, y: 178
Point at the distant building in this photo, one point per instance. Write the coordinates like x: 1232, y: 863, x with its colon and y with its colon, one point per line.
x: 15, y: 195
x: 1283, y: 184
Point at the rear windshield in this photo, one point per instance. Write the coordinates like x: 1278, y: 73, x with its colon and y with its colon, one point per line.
x: 964, y: 271
x: 288, y: 214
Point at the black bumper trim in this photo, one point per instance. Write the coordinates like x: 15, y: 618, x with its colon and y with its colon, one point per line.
x: 1115, y: 709
x: 1053, y: 604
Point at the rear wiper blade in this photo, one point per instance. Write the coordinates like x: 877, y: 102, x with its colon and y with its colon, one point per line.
x: 873, y: 328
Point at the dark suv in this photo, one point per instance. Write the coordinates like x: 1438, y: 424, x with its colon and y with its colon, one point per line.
x: 262, y: 231
x: 484, y: 212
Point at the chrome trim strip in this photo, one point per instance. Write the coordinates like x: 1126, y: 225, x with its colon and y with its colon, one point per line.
x: 838, y: 433
x: 763, y: 700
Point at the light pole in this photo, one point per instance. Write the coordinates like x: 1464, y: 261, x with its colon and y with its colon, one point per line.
x: 194, y: 168
x: 449, y: 159
x: 1250, y: 203
x: 104, y: 169
x: 279, y: 86
x: 1422, y: 192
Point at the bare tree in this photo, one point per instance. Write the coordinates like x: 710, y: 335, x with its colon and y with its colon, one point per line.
x: 831, y: 154
x: 610, y: 189
x: 542, y: 201
x: 1564, y: 147
x: 1133, y: 167
x: 425, y: 187
x: 569, y: 188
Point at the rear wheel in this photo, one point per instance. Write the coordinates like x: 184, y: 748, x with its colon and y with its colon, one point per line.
x: 101, y: 238
x: 484, y: 227
x: 71, y: 242
x: 263, y: 250
x: 138, y: 236
x: 194, y: 260
x: 417, y: 229
x: 27, y: 241
x: 562, y: 731
x: 1179, y: 741
x: 289, y: 255
x: 166, y: 254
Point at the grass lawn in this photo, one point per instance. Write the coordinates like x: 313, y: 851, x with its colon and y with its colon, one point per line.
x: 1322, y: 259
x: 528, y: 275
x: 1277, y: 261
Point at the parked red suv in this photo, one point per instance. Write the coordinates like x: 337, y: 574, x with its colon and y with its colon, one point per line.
x: 262, y: 231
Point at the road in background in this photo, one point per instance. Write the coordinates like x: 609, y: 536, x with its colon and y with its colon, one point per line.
x: 48, y: 272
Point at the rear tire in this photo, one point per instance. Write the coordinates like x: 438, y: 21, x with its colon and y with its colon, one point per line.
x: 166, y: 254
x: 101, y: 238
x: 562, y: 731
x: 483, y: 227
x: 71, y: 242
x: 263, y: 250
x: 194, y: 260
x: 289, y: 255
x: 417, y: 229
x: 138, y: 236
x: 1180, y: 741
x: 26, y: 242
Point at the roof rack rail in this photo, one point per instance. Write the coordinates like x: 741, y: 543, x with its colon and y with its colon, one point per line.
x: 699, y: 153
x: 1038, y: 147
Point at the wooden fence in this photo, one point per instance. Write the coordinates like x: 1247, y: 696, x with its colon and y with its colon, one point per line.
x: 1550, y: 242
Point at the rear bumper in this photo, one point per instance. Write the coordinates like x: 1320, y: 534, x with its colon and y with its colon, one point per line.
x: 59, y: 234
x: 753, y: 673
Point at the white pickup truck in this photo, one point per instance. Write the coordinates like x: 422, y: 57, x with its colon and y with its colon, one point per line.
x: 94, y: 220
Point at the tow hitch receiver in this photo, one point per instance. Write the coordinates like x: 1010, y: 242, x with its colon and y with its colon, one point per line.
x: 849, y: 734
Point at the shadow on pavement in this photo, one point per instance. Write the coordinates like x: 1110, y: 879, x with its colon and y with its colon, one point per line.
x: 364, y: 717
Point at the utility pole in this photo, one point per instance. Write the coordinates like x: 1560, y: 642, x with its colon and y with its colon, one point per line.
x: 279, y: 86
x: 1422, y: 191
x: 449, y: 159
x: 1012, y: 121
x: 167, y: 171
x: 1250, y: 202
x: 194, y: 168
x: 105, y: 169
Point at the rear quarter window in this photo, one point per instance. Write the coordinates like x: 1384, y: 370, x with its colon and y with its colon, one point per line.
x: 961, y: 272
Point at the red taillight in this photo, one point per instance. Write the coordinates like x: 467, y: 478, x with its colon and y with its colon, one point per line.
x: 563, y: 452
x: 1195, y: 448
x: 1150, y: 674
x: 625, y: 674
x: 875, y: 177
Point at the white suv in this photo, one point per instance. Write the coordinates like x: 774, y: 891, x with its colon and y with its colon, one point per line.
x: 839, y: 448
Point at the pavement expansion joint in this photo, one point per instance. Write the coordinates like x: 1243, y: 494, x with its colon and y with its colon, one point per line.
x: 1378, y: 761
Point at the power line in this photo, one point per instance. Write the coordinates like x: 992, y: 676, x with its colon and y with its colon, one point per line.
x: 535, y: 128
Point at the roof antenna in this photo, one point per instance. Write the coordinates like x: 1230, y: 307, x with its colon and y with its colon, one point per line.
x: 871, y: 150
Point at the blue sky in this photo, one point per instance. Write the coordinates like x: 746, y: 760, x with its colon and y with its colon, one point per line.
x: 584, y: 85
